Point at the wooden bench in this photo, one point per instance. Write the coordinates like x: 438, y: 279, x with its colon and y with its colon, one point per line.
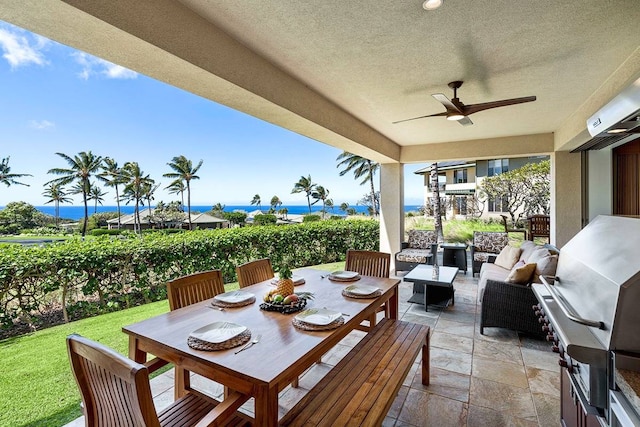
x: 360, y: 389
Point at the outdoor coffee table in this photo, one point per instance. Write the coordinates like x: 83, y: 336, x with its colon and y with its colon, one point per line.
x: 428, y: 289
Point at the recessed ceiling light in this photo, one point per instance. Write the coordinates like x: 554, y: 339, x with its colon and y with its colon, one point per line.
x: 431, y: 4
x: 455, y: 116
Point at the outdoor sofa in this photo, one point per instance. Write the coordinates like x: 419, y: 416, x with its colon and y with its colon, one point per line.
x: 505, y: 294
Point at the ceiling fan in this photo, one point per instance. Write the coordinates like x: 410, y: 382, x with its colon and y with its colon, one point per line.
x: 456, y: 110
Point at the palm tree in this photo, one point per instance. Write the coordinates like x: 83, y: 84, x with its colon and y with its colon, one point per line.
x: 134, y: 189
x: 275, y: 203
x: 184, y: 170
x: 56, y: 194
x: 305, y: 185
x: 362, y: 168
x: 81, y: 167
x: 147, y: 192
x: 8, y: 178
x: 321, y: 194
x: 177, y: 187
x: 437, y: 206
x: 257, y: 201
x: 111, y: 175
x: 344, y: 206
x: 218, y: 210
x: 97, y: 195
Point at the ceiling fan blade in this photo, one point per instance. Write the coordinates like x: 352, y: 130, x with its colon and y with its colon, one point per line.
x: 466, y: 121
x: 421, y: 117
x: 474, y: 108
x: 450, y: 106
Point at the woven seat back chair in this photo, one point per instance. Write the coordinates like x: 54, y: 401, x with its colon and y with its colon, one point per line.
x: 370, y: 263
x: 486, y: 247
x: 115, y: 391
x: 254, y: 272
x: 187, y: 290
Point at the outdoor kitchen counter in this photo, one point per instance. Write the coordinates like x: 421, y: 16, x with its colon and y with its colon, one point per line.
x: 629, y: 384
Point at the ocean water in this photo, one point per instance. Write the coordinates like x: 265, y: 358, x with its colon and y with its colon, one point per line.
x: 77, y: 212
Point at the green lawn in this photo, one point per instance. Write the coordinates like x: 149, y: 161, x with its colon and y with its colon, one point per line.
x: 36, y: 384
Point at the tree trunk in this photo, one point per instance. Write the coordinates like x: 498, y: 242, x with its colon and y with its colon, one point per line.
x: 309, y: 202
x: 189, y: 204
x: 118, y: 203
x: 57, y: 214
x: 86, y: 212
x: 373, y: 192
x: 437, y: 207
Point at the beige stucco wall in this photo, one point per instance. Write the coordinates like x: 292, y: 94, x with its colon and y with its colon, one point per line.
x: 392, y: 208
x: 566, y: 196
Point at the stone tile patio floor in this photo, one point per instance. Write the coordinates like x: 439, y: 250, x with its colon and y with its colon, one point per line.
x: 496, y: 379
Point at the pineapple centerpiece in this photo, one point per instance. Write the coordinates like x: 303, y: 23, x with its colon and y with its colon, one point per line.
x: 285, y: 282
x: 283, y: 297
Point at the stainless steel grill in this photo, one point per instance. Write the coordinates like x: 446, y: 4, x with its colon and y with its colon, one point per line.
x: 591, y: 308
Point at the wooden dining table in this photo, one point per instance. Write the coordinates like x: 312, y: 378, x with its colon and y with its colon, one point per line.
x: 283, y: 352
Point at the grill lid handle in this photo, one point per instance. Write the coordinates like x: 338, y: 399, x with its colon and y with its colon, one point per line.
x: 567, y: 310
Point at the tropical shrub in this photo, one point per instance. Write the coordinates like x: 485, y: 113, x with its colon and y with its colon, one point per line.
x: 102, y: 232
x: 35, y: 278
x: 264, y: 219
x: 311, y: 218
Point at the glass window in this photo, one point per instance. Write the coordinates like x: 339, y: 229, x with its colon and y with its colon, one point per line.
x: 498, y: 166
x: 498, y: 204
x: 461, y: 202
x: 459, y: 176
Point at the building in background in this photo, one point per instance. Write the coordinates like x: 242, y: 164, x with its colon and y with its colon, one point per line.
x: 460, y: 183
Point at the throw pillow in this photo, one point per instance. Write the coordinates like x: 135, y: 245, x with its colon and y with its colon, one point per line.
x: 527, y: 249
x: 545, y: 267
x: 521, y: 274
x: 508, y: 257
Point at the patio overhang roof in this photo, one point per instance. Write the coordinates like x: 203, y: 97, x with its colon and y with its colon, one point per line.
x: 342, y: 72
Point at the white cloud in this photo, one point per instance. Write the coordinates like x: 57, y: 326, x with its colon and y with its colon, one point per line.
x: 92, y: 66
x: 41, y: 124
x: 20, y: 49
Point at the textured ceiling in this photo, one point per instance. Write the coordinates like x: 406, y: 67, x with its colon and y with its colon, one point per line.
x: 381, y: 60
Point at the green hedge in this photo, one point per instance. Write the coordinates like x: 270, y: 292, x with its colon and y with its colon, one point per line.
x: 35, y: 277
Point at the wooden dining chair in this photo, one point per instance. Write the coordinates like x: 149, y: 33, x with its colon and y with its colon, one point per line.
x: 116, y: 392
x: 187, y: 290
x: 254, y: 272
x: 370, y: 263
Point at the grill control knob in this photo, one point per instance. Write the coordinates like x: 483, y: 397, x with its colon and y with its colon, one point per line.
x: 543, y: 319
x: 563, y: 363
x: 555, y: 349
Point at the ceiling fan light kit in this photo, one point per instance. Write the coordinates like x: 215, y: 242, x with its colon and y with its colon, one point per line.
x: 456, y: 110
x: 431, y: 4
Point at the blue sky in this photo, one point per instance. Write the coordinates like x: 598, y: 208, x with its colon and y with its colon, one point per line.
x: 57, y: 99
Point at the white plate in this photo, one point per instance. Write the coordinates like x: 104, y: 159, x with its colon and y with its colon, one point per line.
x: 318, y: 316
x: 218, y: 332
x: 297, y: 280
x: 234, y: 296
x: 344, y: 275
x: 360, y: 289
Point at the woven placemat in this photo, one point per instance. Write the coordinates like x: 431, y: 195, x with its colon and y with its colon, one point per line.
x: 198, y: 344
x: 375, y: 294
x: 223, y: 304
x: 309, y: 327
x: 347, y: 280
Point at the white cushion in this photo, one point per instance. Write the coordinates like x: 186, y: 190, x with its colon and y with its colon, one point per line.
x: 508, y: 257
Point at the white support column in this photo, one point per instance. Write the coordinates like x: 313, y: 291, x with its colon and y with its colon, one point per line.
x: 566, y: 196
x: 392, y: 208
